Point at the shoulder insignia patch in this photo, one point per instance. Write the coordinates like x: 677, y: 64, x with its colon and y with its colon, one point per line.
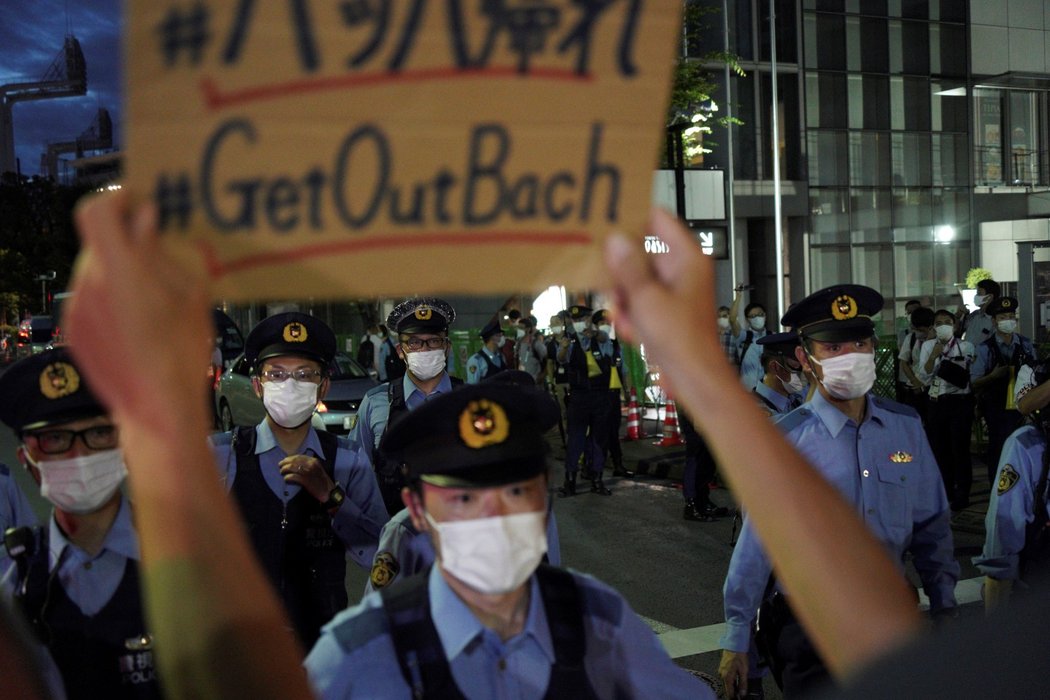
x: 472, y: 369
x: 384, y: 570
x: 1008, y: 476
x: 900, y: 457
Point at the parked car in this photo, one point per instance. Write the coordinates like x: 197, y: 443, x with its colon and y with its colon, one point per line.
x: 34, y: 336
x: 237, y: 404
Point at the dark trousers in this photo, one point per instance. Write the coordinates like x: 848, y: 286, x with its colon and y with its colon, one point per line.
x: 949, y: 422
x: 796, y: 663
x: 1001, y: 422
x: 587, y: 414
x: 613, y: 432
x: 699, y: 463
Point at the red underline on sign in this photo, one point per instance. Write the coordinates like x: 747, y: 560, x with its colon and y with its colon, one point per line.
x: 220, y: 268
x: 217, y: 99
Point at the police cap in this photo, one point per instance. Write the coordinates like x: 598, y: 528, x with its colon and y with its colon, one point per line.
x: 45, y: 389
x: 779, y: 343
x: 601, y: 315
x: 1003, y: 305
x: 421, y: 315
x: 491, y: 328
x: 578, y: 312
x: 480, y: 435
x: 834, y: 314
x: 291, y: 333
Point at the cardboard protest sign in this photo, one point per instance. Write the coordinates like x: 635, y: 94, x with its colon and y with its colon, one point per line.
x: 385, y: 147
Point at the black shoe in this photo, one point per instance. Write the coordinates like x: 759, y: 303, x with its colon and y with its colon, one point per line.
x: 710, y: 510
x: 691, y: 513
x: 569, y: 487
x: 598, y: 487
x: 625, y: 473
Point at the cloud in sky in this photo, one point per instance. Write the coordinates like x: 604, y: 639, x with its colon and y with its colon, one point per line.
x: 31, y: 37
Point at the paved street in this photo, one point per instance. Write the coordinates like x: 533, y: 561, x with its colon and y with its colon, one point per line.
x: 671, y: 570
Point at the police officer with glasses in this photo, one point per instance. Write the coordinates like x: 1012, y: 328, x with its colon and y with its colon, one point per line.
x: 308, y: 499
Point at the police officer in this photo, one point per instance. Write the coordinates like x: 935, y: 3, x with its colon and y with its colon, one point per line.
x: 488, y: 621
x: 875, y: 452
x: 979, y: 325
x: 603, y: 322
x: 308, y: 499
x: 588, y: 361
x: 994, y: 375
x: 422, y: 326
x: 489, y: 359
x: 782, y: 387
x: 79, y: 585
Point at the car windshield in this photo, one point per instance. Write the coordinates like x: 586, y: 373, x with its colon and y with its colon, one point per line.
x: 344, y: 367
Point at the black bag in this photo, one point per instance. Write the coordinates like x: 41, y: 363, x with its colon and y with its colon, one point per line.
x: 954, y: 374
x: 366, y: 354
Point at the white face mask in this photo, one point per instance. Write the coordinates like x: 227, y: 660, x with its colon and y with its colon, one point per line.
x: 757, y: 322
x: 520, y: 333
x: 81, y: 485
x: 981, y: 299
x: 492, y: 555
x: 425, y: 364
x: 557, y: 330
x: 290, y: 403
x: 1007, y: 326
x: 502, y: 341
x: 579, y: 326
x: 944, y: 332
x: 848, y: 376
x: 794, y: 383
x: 723, y: 322
x: 606, y: 329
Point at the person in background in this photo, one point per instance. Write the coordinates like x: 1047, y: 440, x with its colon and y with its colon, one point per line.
x: 993, y: 376
x: 944, y: 366
x: 979, y: 326
x: 725, y: 336
x: 913, y: 392
x: 530, y: 349
x: 422, y: 325
x: 489, y: 359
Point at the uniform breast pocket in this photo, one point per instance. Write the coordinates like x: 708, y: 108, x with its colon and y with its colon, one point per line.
x: 894, y: 506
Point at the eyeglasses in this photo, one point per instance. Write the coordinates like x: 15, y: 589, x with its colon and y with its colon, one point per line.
x: 53, y: 442
x: 300, y: 375
x: 418, y: 343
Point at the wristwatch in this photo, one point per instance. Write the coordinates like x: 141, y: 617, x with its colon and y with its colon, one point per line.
x: 335, y: 498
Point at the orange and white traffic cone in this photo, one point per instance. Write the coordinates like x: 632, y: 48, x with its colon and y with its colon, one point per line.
x: 634, y: 423
x: 672, y: 436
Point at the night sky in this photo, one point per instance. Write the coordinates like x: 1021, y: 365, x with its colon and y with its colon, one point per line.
x: 31, y: 36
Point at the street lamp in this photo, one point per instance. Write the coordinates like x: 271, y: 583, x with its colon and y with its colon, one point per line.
x: 43, y: 279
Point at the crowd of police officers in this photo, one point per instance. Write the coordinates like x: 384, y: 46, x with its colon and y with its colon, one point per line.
x: 311, y: 502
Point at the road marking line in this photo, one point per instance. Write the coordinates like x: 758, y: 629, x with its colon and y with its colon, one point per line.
x: 701, y: 640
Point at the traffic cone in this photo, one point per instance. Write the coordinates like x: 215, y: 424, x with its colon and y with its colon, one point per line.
x: 672, y: 437
x: 634, y: 423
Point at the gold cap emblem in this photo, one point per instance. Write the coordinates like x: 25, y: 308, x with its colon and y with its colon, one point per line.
x: 59, y: 379
x: 483, y: 423
x: 1006, y: 303
x: 423, y: 313
x: 295, y: 332
x: 844, y: 307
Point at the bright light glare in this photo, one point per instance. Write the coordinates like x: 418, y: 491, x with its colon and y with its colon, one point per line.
x: 547, y: 304
x: 944, y: 234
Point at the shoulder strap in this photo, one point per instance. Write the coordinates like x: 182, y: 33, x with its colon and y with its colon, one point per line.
x: 766, y: 401
x: 561, y: 601
x: 243, y: 441
x: 416, y: 641
x: 396, y: 395
x: 329, y: 446
x: 456, y: 381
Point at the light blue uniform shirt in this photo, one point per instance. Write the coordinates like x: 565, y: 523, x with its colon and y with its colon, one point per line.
x: 781, y: 403
x: 412, y: 550
x: 374, y: 411
x: 983, y: 364
x: 477, y: 368
x: 361, y: 516
x: 15, y: 511
x: 885, y: 468
x: 355, y: 657
x: 751, y: 363
x: 1011, y: 507
x: 90, y: 581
